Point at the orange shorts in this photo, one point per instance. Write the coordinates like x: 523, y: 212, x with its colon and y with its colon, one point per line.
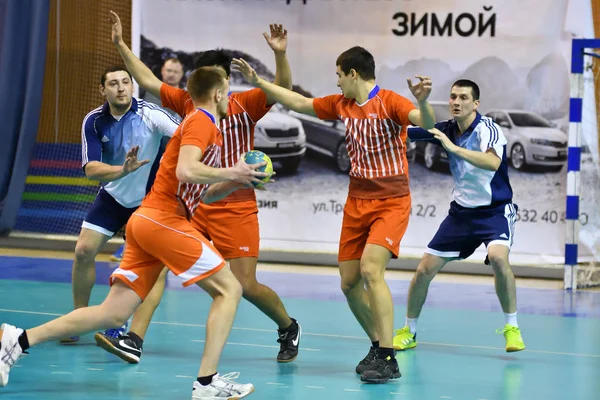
x: 232, y: 227
x: 382, y: 222
x: 156, y: 238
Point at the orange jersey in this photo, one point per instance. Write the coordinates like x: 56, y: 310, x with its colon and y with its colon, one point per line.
x: 197, y: 129
x: 243, y: 112
x: 375, y: 140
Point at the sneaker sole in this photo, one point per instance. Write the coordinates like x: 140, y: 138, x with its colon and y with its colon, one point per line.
x: 105, y: 344
x: 114, y: 259
x: 228, y: 398
x: 380, y: 380
x: 3, y: 379
x: 514, y: 349
x: 398, y: 348
x: 69, y: 341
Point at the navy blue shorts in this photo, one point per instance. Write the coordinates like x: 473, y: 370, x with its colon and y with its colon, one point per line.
x: 106, y: 215
x: 465, y: 229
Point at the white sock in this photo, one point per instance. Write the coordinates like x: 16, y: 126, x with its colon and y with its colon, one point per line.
x: 412, y: 324
x: 511, y: 319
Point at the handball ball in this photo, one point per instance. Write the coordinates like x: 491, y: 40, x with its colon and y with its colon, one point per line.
x: 255, y: 157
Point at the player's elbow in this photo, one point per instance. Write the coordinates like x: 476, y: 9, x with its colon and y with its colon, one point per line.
x: 183, y: 173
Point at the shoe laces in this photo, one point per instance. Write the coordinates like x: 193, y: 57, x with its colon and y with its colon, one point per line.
x: 113, y: 333
x: 508, y: 330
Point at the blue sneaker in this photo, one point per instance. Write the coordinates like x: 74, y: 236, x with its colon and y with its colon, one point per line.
x: 115, y: 332
x: 118, y: 256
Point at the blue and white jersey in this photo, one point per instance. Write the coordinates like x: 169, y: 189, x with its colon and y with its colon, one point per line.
x: 107, y: 139
x: 474, y: 186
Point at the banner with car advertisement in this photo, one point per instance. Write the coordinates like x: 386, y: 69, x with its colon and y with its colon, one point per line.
x: 517, y: 51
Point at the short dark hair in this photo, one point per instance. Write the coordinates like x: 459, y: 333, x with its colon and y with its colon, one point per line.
x: 211, y: 58
x: 203, y: 80
x: 113, y: 68
x: 174, y: 59
x: 358, y: 59
x: 465, y: 83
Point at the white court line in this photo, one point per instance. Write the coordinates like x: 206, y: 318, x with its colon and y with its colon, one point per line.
x: 62, y: 373
x: 254, y: 345
x: 352, y: 390
x: 95, y: 369
x: 400, y: 393
x: 316, y: 387
x: 464, y: 346
x: 276, y: 383
x: 183, y: 376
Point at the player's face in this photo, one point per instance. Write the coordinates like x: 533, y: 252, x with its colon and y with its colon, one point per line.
x: 223, y: 100
x: 461, y: 102
x: 172, y: 72
x: 345, y: 82
x: 117, y: 89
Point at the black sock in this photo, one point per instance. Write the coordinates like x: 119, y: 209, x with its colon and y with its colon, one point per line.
x: 139, y: 342
x: 206, y: 380
x: 293, y: 326
x: 375, y: 344
x: 24, y: 341
x: 385, y: 352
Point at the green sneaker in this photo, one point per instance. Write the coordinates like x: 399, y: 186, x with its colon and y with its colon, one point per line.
x: 404, y: 340
x: 514, y: 341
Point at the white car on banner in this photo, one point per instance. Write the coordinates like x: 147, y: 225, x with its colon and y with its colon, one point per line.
x: 532, y: 140
x: 278, y: 135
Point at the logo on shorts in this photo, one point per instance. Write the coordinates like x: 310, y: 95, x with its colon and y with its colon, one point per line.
x: 390, y: 241
x: 105, y: 139
x: 245, y: 248
x: 373, y: 115
x: 503, y: 236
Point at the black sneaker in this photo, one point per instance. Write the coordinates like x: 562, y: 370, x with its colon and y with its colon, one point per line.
x: 381, y: 371
x: 367, y: 361
x: 289, y: 343
x: 121, y: 346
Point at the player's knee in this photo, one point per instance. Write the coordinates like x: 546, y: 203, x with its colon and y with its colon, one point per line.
x: 250, y: 287
x: 85, y: 252
x: 425, y: 272
x: 500, y: 264
x: 371, y: 273
x: 350, y: 283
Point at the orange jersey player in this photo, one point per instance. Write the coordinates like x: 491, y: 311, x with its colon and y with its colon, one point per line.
x: 378, y: 205
x: 232, y: 223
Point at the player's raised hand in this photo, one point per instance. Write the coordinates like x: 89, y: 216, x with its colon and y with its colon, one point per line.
x: 246, y: 70
x: 132, y: 163
x: 444, y: 140
x: 117, y: 28
x: 278, y: 39
x: 422, y: 89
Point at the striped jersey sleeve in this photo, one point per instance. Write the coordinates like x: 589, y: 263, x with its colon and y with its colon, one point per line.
x: 91, y: 144
x: 491, y: 136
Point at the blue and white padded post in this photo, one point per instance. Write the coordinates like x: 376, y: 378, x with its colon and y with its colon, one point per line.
x: 574, y: 159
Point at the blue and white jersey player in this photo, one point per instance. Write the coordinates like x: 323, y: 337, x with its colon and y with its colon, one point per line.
x: 482, y: 210
x: 120, y: 141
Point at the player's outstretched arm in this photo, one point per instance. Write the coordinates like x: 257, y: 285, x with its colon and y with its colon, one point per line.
x: 424, y: 116
x: 277, y: 41
x: 292, y: 100
x: 191, y: 170
x: 102, y: 172
x: 488, y: 160
x: 141, y: 73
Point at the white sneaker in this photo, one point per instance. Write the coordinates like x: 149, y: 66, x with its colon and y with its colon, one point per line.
x: 10, y: 351
x: 222, y: 387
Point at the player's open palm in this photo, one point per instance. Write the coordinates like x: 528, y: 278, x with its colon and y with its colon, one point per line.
x: 277, y: 41
x: 132, y: 163
x: 117, y: 28
x: 422, y: 89
x: 246, y: 70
